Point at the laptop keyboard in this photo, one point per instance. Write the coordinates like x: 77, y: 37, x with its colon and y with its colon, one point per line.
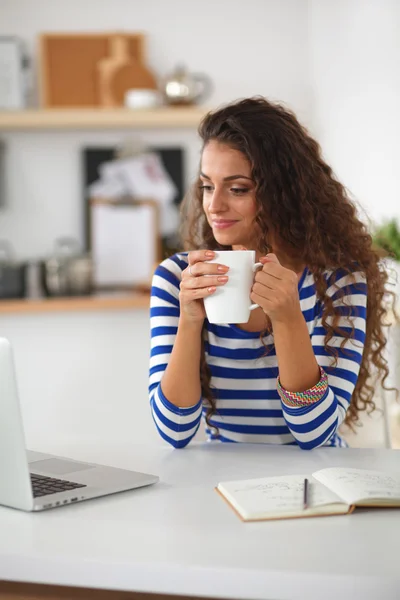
x: 42, y: 485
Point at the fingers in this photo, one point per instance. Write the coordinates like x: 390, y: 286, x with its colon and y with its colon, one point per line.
x: 268, y: 279
x: 271, y: 258
x: 272, y: 266
x: 201, y: 278
x: 277, y: 284
x: 187, y: 295
x: 192, y: 283
x: 198, y: 265
x: 272, y: 269
x: 195, y: 288
x: 264, y: 291
x: 202, y: 268
x: 200, y: 256
x: 258, y: 299
x: 269, y: 288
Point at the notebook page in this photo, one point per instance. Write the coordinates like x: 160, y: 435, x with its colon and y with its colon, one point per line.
x: 355, y: 485
x: 273, y: 495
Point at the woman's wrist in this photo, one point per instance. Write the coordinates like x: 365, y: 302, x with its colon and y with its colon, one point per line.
x: 298, y: 367
x: 288, y: 321
x: 190, y: 325
x: 306, y: 397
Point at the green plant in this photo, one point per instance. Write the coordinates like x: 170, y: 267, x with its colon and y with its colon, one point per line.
x: 387, y: 236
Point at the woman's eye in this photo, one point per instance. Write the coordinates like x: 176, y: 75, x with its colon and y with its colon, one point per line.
x: 239, y: 191
x: 206, y: 188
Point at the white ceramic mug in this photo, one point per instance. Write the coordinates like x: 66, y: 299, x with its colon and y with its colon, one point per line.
x: 230, y: 303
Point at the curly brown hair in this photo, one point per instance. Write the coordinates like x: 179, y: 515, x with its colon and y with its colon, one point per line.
x: 313, y: 217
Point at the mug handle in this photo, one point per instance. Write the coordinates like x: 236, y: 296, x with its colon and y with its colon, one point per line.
x: 255, y: 267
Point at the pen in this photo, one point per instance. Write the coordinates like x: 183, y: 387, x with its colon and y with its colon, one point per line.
x: 305, y: 496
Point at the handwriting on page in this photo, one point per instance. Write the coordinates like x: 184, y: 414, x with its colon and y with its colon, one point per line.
x: 280, y: 493
x: 357, y: 484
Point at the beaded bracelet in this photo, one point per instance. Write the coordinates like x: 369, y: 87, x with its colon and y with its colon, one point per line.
x: 307, y: 397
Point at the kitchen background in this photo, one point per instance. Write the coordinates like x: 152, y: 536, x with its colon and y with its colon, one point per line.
x: 82, y: 365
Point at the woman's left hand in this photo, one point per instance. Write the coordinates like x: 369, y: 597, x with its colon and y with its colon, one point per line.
x: 275, y: 290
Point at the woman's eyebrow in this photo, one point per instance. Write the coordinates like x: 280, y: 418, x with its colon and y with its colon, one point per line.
x: 230, y: 178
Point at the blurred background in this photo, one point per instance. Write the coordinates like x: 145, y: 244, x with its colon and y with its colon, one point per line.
x: 99, y: 105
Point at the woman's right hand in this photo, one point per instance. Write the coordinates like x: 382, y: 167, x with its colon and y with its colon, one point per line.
x: 200, y: 280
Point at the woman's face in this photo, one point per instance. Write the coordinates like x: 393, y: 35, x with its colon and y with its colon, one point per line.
x: 229, y: 200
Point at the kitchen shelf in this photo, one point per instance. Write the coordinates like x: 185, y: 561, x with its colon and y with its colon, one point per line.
x: 98, y: 118
x: 81, y: 303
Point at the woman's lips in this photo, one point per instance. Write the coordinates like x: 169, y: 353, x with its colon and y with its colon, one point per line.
x: 223, y: 223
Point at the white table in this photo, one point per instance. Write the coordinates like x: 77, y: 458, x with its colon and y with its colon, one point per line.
x: 179, y: 537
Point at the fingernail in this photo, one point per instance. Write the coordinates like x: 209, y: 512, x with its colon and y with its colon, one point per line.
x: 209, y: 253
x: 222, y: 268
x: 223, y: 278
x: 211, y: 289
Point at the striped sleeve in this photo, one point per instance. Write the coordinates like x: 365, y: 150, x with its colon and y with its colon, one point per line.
x: 177, y: 426
x: 314, y: 424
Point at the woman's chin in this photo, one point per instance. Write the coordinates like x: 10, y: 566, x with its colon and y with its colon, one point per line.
x: 228, y: 240
x: 224, y: 237
x: 223, y: 240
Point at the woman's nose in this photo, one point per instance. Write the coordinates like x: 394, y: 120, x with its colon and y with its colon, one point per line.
x: 217, y: 203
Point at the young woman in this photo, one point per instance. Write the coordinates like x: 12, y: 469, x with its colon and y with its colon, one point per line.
x: 304, y: 362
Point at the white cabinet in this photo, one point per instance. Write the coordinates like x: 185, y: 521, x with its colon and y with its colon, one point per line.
x: 82, y: 376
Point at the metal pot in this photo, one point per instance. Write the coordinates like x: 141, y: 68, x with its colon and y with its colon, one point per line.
x: 182, y: 87
x: 12, y: 274
x: 80, y: 275
x: 68, y: 272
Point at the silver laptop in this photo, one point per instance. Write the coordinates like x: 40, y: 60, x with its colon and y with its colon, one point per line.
x: 34, y: 481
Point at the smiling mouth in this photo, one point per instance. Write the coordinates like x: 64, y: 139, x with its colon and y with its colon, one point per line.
x: 223, y: 224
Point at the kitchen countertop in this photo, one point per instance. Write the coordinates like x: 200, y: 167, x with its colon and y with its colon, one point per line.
x: 76, y: 303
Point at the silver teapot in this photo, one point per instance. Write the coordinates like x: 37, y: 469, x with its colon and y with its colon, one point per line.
x: 183, y: 88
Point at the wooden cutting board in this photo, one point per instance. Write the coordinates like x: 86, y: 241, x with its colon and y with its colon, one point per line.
x: 120, y: 72
x: 68, y: 66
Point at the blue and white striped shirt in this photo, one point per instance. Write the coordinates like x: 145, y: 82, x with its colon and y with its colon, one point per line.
x: 244, y: 376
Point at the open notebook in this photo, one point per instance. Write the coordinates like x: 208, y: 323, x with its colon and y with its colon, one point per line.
x: 332, y: 491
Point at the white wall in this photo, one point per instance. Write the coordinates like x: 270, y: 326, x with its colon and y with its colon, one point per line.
x: 247, y: 48
x: 354, y: 65
x: 355, y: 74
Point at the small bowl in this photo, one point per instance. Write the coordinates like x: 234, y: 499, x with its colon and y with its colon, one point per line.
x: 138, y: 99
